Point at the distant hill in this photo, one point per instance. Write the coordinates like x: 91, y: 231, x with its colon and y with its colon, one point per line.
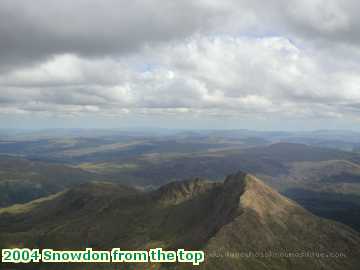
x: 241, y: 215
x: 22, y: 180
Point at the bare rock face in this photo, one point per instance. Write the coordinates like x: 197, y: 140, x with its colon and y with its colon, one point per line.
x: 178, y: 192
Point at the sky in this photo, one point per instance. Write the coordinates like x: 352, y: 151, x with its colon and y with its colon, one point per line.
x: 230, y: 64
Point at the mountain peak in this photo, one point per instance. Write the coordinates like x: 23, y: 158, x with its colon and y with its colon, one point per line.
x: 266, y: 201
x: 242, y: 193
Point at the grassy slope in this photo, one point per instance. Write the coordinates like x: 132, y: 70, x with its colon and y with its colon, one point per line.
x: 240, y: 215
x: 22, y: 180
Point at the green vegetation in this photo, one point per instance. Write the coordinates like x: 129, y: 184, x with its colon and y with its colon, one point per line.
x: 23, y: 180
x: 108, y: 168
x: 148, y: 162
x: 240, y: 214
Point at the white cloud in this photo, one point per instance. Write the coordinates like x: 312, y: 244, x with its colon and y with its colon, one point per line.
x: 233, y: 75
x: 214, y: 58
x: 323, y: 15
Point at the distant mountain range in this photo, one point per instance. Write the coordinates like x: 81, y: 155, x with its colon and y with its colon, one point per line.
x: 234, y: 222
x: 323, y: 180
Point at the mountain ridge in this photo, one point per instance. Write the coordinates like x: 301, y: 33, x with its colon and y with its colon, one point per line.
x: 240, y: 214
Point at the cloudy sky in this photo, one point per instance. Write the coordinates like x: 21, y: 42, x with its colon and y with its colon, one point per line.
x: 274, y: 64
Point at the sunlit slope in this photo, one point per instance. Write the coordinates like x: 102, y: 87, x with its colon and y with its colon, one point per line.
x: 241, y: 214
